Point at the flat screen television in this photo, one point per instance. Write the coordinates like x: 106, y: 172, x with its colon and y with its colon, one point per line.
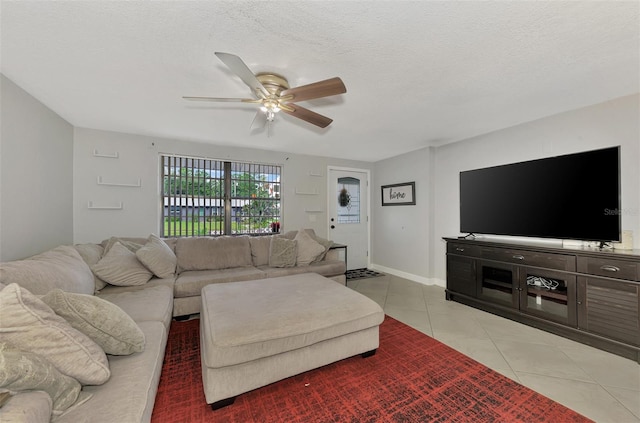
x: 575, y: 196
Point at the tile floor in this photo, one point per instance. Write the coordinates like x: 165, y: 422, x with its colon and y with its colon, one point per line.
x: 599, y: 385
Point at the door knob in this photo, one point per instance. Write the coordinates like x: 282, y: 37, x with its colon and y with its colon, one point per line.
x: 333, y: 226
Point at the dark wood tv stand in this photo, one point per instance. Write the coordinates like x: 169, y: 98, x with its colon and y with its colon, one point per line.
x: 589, y: 295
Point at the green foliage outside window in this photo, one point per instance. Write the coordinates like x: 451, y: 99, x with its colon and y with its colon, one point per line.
x: 191, y: 182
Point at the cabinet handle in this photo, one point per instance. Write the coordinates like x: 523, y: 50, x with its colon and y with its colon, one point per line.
x: 459, y: 249
x: 518, y: 257
x: 610, y: 268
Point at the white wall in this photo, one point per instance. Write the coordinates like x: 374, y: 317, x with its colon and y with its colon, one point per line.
x: 36, y: 175
x: 400, y: 235
x: 613, y: 123
x: 138, y: 158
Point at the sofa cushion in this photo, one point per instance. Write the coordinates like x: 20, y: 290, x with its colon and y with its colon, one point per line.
x: 308, y: 249
x: 208, y: 253
x: 276, y: 272
x: 25, y: 371
x: 329, y: 267
x: 166, y: 282
x: 91, y: 254
x: 185, y: 306
x: 158, y: 257
x: 282, y: 252
x: 104, y: 322
x: 326, y: 268
x: 191, y: 282
x: 121, y: 267
x: 150, y: 302
x: 260, y: 249
x: 130, y: 394
x: 30, y: 325
x: 61, y: 267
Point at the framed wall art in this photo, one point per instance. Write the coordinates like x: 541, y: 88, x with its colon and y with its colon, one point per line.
x: 399, y: 194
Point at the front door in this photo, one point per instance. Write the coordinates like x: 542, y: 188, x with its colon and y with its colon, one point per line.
x: 348, y: 206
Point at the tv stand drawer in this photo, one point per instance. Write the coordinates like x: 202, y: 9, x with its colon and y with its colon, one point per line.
x: 564, y: 262
x: 461, y: 249
x: 611, y: 268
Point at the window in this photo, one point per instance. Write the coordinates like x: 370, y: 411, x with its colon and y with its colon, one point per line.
x: 204, y: 197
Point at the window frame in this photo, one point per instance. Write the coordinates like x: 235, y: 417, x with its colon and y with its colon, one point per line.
x: 202, y: 193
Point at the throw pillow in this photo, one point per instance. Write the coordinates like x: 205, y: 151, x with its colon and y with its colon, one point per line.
x: 213, y: 253
x: 158, y: 257
x: 104, y: 322
x: 308, y: 249
x: 27, y: 406
x: 260, y: 246
x: 283, y: 252
x: 30, y: 325
x: 121, y: 267
x: 91, y: 254
x: 288, y: 235
x: 25, y: 371
x: 131, y: 245
x: 325, y: 243
x: 61, y: 267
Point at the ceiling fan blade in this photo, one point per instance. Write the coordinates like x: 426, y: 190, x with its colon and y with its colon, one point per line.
x: 259, y: 120
x: 307, y: 115
x: 238, y: 67
x: 225, y: 100
x: 319, y: 89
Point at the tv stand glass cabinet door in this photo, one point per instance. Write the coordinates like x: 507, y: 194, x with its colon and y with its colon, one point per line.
x: 497, y: 283
x: 548, y: 294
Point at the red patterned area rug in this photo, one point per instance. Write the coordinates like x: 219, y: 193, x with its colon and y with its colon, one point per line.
x: 412, y: 378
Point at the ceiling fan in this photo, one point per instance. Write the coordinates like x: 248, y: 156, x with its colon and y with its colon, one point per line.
x: 273, y: 94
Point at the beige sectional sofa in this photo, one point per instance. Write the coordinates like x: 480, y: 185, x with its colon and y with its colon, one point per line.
x: 147, y: 294
x: 242, y: 259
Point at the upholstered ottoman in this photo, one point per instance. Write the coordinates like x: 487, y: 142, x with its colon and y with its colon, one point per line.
x: 257, y: 332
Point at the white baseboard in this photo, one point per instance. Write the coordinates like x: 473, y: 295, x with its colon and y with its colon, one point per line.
x: 410, y: 276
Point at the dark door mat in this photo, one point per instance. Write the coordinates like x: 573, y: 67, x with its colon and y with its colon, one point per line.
x: 362, y: 274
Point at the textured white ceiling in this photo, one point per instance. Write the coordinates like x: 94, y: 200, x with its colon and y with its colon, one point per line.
x: 417, y: 73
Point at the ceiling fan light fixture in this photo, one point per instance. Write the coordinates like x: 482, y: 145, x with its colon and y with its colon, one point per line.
x: 270, y: 115
x: 270, y: 106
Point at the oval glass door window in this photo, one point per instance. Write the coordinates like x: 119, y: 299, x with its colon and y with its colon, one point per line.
x: 348, y: 205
